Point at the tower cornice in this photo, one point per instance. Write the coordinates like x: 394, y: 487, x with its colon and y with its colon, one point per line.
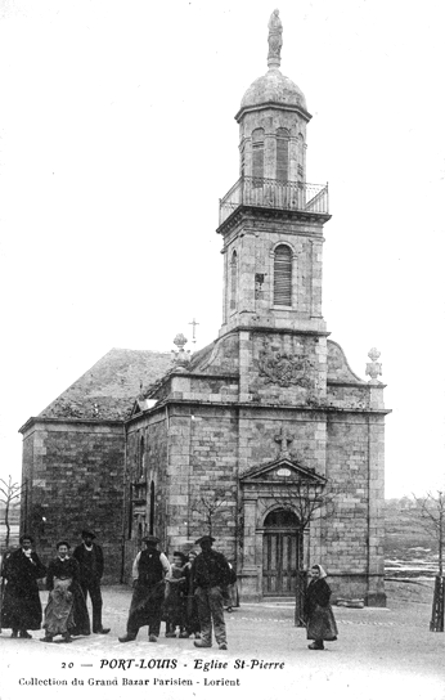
x: 242, y: 212
x: 273, y: 105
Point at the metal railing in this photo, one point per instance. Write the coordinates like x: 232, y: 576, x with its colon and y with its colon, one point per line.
x: 274, y: 194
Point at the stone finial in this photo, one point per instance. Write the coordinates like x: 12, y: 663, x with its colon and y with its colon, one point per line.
x: 275, y: 40
x: 374, y: 368
x: 181, y: 357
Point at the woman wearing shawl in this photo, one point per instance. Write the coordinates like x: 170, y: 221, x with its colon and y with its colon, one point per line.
x: 66, y: 612
x: 21, y: 608
x: 320, y: 621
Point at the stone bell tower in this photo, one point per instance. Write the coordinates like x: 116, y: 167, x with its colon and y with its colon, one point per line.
x: 272, y: 220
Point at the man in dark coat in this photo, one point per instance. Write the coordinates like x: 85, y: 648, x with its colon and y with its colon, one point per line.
x: 21, y: 607
x: 149, y: 571
x: 211, y: 574
x: 91, y: 565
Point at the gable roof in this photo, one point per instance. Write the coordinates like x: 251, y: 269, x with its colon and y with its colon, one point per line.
x: 107, y: 391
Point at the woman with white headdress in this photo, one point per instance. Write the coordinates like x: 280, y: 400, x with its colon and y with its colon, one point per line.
x: 320, y: 622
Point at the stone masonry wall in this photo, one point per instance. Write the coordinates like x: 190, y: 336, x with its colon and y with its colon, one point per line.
x: 345, y: 536
x: 153, y: 428
x: 261, y: 433
x: 202, y: 476
x: 75, y: 482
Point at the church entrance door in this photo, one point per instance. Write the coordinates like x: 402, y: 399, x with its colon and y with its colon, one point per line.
x: 281, y: 553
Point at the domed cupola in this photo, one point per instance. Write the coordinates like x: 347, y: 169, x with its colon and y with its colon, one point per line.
x: 273, y: 119
x: 273, y: 88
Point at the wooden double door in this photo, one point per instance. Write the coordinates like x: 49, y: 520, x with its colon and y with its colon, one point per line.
x: 281, y: 554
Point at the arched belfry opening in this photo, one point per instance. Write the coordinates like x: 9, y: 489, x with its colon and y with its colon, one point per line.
x: 282, y: 552
x: 282, y: 276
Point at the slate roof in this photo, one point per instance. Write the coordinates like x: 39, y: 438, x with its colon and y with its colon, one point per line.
x: 201, y: 356
x: 108, y: 390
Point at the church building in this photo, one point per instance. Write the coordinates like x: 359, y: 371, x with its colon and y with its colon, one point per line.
x: 266, y: 438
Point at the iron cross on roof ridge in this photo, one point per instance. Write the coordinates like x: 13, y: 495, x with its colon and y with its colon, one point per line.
x: 194, y: 323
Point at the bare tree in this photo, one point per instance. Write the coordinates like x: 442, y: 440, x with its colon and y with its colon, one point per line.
x: 305, y: 499
x: 208, y: 508
x: 10, y: 491
x: 432, y: 514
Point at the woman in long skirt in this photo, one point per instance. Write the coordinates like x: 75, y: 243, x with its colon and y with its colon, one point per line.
x: 320, y: 622
x: 66, y: 612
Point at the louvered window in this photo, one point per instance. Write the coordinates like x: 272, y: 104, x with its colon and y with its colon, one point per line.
x: 258, y: 157
x: 282, y: 172
x: 282, y: 291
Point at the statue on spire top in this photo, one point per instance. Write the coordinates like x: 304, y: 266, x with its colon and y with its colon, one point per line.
x: 275, y: 40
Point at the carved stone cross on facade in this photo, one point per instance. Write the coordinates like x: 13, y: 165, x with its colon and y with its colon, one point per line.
x: 284, y: 440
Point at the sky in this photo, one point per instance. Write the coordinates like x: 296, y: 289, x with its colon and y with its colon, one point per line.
x: 117, y: 139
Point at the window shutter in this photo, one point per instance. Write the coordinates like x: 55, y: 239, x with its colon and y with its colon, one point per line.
x: 258, y: 161
x: 282, y: 160
x: 283, y: 276
x: 282, y: 172
x: 257, y: 156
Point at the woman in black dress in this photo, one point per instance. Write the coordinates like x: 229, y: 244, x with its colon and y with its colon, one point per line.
x: 21, y: 609
x: 320, y: 622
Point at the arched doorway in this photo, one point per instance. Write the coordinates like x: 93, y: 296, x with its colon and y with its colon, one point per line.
x: 281, y: 552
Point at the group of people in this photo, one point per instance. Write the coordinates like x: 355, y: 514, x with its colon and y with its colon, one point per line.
x: 189, y: 594
x: 69, y: 580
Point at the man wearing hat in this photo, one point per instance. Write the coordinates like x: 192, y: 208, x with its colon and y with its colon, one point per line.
x: 149, y: 571
x: 91, y: 565
x: 211, y: 574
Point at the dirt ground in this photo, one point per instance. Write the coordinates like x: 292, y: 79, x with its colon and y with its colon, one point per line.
x: 380, y: 653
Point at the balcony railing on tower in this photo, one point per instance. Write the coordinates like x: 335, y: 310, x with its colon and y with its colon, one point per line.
x: 274, y: 194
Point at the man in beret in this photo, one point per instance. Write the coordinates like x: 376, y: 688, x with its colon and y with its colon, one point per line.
x: 91, y: 564
x: 149, y: 571
x: 211, y: 574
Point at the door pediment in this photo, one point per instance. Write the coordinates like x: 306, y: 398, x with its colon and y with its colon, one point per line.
x: 282, y: 471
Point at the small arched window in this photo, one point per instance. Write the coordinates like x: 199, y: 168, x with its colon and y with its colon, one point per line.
x: 282, y: 281
x: 233, y: 279
x: 258, y: 155
x: 282, y: 169
x: 141, y: 458
x: 281, y: 518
